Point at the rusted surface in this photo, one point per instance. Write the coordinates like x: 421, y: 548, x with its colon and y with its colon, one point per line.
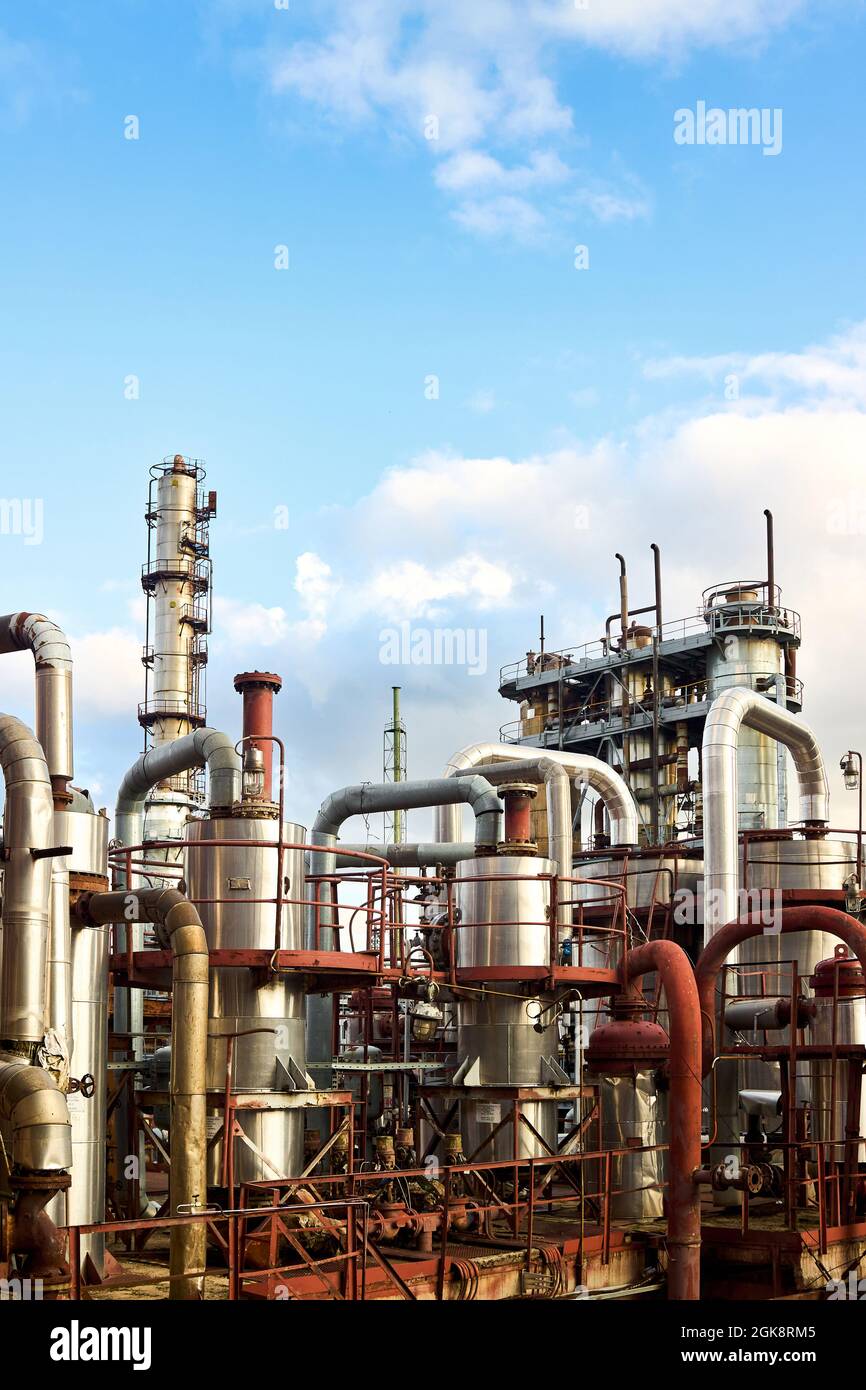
x: 684, y: 1070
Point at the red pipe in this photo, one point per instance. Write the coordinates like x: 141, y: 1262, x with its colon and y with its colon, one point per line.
x: 684, y: 1071
x: 717, y: 950
x: 258, y: 689
x: 518, y: 815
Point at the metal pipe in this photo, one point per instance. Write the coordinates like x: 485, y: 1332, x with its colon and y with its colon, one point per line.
x: 180, y: 921
x: 367, y: 798
x: 657, y: 575
x: 766, y: 1015
x: 557, y: 787
x: 684, y: 1070
x: 612, y: 789
x: 204, y: 747
x: 792, y: 919
x: 771, y: 561
x: 258, y: 689
x: 632, y: 613
x: 405, y: 856
x: 59, y: 1000
x: 35, y: 1108
x: 27, y: 844
x: 557, y: 783
x: 53, y: 658
x: 729, y: 712
x: 623, y: 597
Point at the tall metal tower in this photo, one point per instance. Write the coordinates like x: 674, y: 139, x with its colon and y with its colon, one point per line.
x: 394, y: 769
x: 177, y: 582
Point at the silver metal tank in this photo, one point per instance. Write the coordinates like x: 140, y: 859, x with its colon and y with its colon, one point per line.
x: 646, y: 877
x: 273, y: 1060
x: 742, y: 656
x: 84, y: 1202
x: 504, y: 921
x: 841, y: 1020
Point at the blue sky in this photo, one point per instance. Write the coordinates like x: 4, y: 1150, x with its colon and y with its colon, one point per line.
x: 409, y: 258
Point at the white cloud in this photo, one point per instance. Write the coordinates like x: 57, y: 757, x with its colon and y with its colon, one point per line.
x: 475, y: 84
x: 510, y: 217
x: 664, y: 27
x: 473, y: 169
x: 412, y: 590
x: 248, y: 625
x: 833, y: 370
x: 317, y: 589
x: 492, y: 542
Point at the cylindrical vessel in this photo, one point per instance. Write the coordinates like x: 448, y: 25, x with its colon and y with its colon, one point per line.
x: 634, y: 1112
x: 504, y: 904
x: 84, y: 1201
x: 755, y: 659
x: 173, y: 635
x: 271, y: 1057
x: 840, y: 1018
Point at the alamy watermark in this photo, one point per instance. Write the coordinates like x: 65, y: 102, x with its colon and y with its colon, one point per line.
x: 762, y: 906
x: 22, y: 516
x: 739, y: 125
x: 434, y: 646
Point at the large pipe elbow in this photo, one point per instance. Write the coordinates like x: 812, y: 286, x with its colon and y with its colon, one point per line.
x: 729, y: 713
x: 725, y: 941
x: 368, y: 798
x: 37, y: 1113
x: 53, y: 659
x: 204, y: 748
x: 603, y: 779
x: 741, y: 706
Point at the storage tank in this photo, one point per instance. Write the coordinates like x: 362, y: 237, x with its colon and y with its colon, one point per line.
x: 226, y: 882
x: 838, y: 988
x: 504, y: 902
x: 83, y: 1203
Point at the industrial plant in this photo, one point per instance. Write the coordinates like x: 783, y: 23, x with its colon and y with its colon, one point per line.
x: 601, y: 1038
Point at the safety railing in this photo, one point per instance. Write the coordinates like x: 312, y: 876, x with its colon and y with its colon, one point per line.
x: 567, y: 929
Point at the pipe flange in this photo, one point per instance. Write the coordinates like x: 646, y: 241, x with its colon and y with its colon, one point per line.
x: 40, y: 1182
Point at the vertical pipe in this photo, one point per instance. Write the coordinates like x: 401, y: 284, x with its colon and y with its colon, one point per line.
x: 657, y: 635
x: 623, y: 597
x: 258, y: 689
x: 771, y: 561
x: 684, y: 1201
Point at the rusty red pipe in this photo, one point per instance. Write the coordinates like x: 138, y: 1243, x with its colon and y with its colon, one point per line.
x: 258, y: 689
x: 684, y: 1072
x: 518, y: 813
x: 717, y: 950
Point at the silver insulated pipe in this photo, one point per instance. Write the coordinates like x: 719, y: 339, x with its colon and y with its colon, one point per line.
x: 31, y: 1103
x: 28, y: 823
x: 612, y: 789
x: 731, y: 711
x: 204, y: 748
x: 53, y: 658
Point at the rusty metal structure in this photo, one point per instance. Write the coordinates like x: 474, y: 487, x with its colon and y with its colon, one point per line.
x: 609, y: 1045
